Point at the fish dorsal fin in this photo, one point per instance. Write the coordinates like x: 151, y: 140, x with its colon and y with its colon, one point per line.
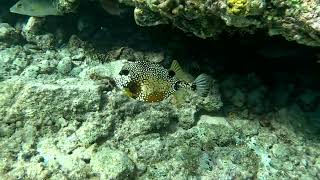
x: 179, y: 73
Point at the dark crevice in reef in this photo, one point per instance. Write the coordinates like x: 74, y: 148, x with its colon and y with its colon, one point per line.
x: 273, y: 59
x: 232, y: 53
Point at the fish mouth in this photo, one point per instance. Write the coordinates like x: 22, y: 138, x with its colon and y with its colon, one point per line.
x: 12, y: 9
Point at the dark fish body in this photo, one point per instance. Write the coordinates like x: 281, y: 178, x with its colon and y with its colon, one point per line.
x: 111, y: 7
x: 150, y: 82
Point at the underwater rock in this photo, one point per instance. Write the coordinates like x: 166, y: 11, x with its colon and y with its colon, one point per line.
x: 8, y: 34
x: 31, y: 62
x: 65, y: 65
x: 213, y: 120
x: 67, y: 6
x: 110, y: 69
x: 13, y: 61
x: 155, y: 57
x: 148, y: 18
x: 295, y: 20
x: 112, y: 164
x: 30, y: 33
x: 34, y: 97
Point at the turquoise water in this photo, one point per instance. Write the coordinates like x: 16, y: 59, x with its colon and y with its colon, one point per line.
x: 63, y: 117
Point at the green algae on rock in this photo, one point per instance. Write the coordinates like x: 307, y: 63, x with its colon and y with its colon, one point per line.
x: 295, y: 20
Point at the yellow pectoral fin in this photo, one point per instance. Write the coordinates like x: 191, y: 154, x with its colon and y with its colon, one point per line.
x: 128, y: 93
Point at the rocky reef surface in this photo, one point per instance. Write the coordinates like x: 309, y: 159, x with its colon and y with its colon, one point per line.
x: 296, y: 20
x: 61, y: 116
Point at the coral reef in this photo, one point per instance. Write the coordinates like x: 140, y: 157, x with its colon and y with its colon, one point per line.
x: 67, y: 6
x: 61, y: 118
x: 8, y: 34
x: 295, y: 20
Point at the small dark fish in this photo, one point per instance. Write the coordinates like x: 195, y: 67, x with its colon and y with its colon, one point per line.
x: 37, y: 8
x: 111, y: 7
x: 150, y: 82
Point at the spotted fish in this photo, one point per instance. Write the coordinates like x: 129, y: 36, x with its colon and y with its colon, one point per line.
x: 150, y: 82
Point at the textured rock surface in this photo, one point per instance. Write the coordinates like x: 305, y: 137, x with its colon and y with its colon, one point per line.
x: 8, y: 34
x: 67, y: 6
x: 112, y: 164
x: 296, y: 20
x: 69, y: 126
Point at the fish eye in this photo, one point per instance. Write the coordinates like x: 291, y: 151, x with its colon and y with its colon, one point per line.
x: 19, y: 5
x: 171, y: 73
x: 124, y: 72
x: 193, y: 87
x: 176, y: 85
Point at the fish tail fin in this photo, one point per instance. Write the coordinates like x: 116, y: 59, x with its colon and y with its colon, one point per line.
x: 202, y: 84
